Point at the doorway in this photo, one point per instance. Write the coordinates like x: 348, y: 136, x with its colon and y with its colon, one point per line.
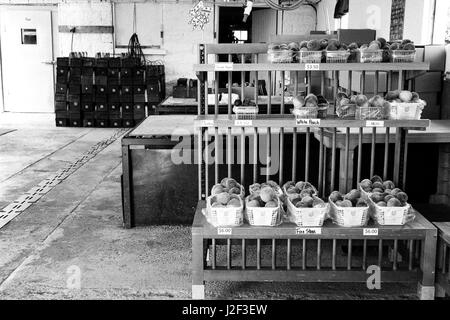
x: 27, y: 53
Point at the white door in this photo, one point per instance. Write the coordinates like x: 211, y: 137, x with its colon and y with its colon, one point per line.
x: 27, y: 54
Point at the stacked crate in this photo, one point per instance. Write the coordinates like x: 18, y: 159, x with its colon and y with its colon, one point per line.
x: 62, y: 79
x: 87, y: 92
x: 106, y: 92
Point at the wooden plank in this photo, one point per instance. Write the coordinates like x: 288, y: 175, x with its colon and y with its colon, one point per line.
x: 307, y: 276
x: 86, y: 29
x: 227, y: 48
x: 322, y: 67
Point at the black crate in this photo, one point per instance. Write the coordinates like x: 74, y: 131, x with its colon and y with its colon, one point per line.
x: 75, y: 71
x: 101, y: 80
x: 87, y: 97
x: 74, y: 89
x: 127, y: 107
x: 127, y: 90
x: 139, y: 107
x: 138, y: 73
x: 74, y: 79
x: 101, y: 63
x: 74, y: 114
x: 126, y: 73
x: 139, y: 89
x: 115, y: 115
x: 113, y: 81
x: 138, y: 115
x: 62, y: 79
x: 128, y: 98
x: 139, y: 81
x: 63, y: 114
x: 88, y: 122
x: 62, y: 62
x: 75, y: 123
x: 115, y: 123
x: 87, y: 107
x: 113, y: 89
x: 101, y: 72
x: 113, y: 72
x: 87, y: 80
x: 101, y: 98
x: 115, y: 98
x: 75, y: 62
x: 101, y: 115
x: 62, y: 122
x: 74, y: 106
x: 101, y: 107
x: 87, y: 72
x: 61, y: 88
x: 74, y: 98
x: 140, y: 98
x: 60, y: 106
x: 152, y: 80
x: 130, y: 62
x: 114, y: 63
x: 126, y: 81
x: 88, y: 62
x: 101, y: 123
x: 114, y: 107
x: 129, y: 115
x: 127, y: 123
x: 60, y: 97
x: 100, y: 89
x: 87, y: 89
x: 62, y: 71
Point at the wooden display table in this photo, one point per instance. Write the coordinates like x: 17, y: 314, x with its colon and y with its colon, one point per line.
x: 443, y: 261
x: 414, y: 242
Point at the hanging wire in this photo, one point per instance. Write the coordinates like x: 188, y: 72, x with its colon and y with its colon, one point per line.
x: 134, y: 47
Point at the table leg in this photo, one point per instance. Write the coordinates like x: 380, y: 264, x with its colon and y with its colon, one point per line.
x: 198, y: 285
x: 426, y: 290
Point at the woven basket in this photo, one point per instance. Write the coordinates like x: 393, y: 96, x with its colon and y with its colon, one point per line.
x: 370, y: 56
x: 224, y: 217
x: 310, y: 56
x: 349, y: 217
x: 370, y: 113
x: 263, y: 217
x: 280, y: 56
x: 403, y: 56
x: 337, y: 56
x: 242, y: 194
x: 307, y: 217
x: 346, y: 111
x: 306, y: 112
x: 406, y: 111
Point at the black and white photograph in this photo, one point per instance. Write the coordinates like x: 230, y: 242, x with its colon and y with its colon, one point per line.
x: 225, y: 157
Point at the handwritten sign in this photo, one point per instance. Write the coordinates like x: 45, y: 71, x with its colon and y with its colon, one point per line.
x: 308, y: 122
x: 312, y: 67
x: 311, y: 231
x: 207, y: 123
x: 223, y: 66
x: 224, y: 231
x: 373, y: 123
x: 370, y: 232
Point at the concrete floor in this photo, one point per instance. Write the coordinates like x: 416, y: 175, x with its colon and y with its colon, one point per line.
x: 77, y: 226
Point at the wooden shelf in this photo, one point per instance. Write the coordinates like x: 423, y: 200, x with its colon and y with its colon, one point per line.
x: 289, y: 121
x: 415, y: 66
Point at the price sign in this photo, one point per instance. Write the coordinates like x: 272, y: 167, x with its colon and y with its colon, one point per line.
x: 243, y: 123
x: 370, y: 232
x: 308, y: 122
x: 223, y: 66
x: 310, y: 231
x: 373, y: 123
x: 207, y: 123
x: 224, y: 231
x: 312, y: 67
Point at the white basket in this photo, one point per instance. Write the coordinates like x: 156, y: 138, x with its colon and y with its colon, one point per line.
x: 370, y: 113
x: 337, y: 56
x: 280, y: 56
x: 224, y: 217
x: 246, y: 112
x: 406, y: 111
x: 349, y: 217
x: 347, y: 111
x: 294, y: 196
x: 263, y: 217
x: 310, y: 56
x: 403, y: 55
x: 370, y: 56
x: 307, y: 217
x: 306, y: 112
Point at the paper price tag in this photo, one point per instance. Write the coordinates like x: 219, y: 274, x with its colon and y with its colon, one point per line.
x: 312, y: 67
x: 308, y: 231
x: 224, y: 66
x: 370, y: 232
x: 308, y: 122
x: 224, y: 231
x: 373, y: 123
x: 243, y: 123
x: 207, y: 123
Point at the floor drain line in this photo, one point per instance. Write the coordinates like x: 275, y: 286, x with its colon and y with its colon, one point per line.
x: 33, y: 195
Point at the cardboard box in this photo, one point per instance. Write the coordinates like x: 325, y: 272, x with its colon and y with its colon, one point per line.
x: 436, y: 56
x: 429, y: 82
x: 360, y: 36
